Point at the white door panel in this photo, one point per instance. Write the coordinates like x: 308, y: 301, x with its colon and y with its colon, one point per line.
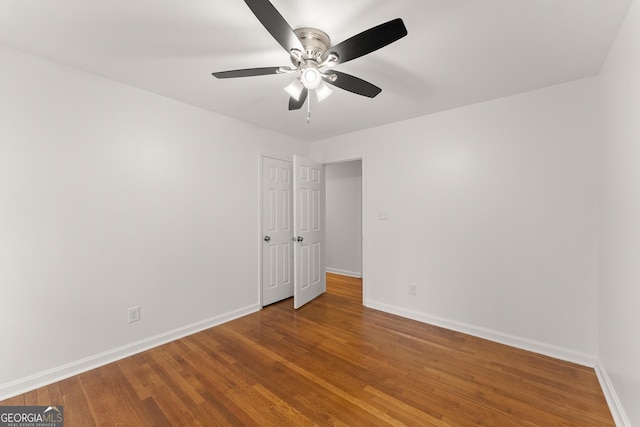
x: 277, y: 229
x: 308, y: 224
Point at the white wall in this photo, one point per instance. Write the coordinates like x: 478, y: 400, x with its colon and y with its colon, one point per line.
x: 112, y: 197
x: 620, y: 218
x: 344, y: 218
x: 493, y: 215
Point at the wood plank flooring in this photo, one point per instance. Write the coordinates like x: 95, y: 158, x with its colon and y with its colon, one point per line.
x: 333, y: 362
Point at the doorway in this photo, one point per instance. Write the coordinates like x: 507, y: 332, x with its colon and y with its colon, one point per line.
x: 344, y: 218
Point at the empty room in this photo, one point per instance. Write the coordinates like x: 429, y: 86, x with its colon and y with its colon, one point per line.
x: 320, y: 213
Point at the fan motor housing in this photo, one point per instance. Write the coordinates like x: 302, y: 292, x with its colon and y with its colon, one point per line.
x: 314, y: 41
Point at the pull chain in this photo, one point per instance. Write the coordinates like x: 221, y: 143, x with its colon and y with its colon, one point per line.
x: 309, y: 110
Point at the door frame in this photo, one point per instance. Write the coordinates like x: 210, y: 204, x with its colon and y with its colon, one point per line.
x: 362, y: 159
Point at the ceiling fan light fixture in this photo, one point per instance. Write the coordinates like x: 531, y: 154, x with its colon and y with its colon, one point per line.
x: 311, y: 77
x: 310, y: 50
x: 295, y: 89
x: 323, y: 91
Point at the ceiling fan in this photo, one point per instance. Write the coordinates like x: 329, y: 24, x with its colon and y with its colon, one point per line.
x: 310, y: 51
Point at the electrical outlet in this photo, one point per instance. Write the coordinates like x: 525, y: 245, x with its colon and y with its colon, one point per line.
x: 412, y: 289
x: 383, y: 215
x: 133, y: 314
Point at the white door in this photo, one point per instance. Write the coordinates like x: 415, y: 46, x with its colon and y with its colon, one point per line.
x: 277, y: 230
x: 309, y: 230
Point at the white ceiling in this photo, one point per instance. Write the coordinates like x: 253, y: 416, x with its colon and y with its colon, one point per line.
x: 458, y: 52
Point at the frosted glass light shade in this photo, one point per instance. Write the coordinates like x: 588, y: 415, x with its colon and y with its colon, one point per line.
x: 322, y: 91
x: 311, y: 77
x: 295, y: 89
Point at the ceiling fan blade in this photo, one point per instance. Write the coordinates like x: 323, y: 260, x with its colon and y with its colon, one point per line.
x: 271, y: 19
x: 368, y: 41
x: 247, y: 72
x: 296, y: 105
x: 354, y: 84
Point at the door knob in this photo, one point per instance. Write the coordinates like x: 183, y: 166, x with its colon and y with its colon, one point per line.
x: 300, y: 239
x: 267, y: 238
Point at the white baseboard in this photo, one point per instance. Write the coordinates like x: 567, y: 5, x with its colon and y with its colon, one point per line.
x: 60, y: 373
x: 491, y: 335
x: 615, y: 406
x: 344, y: 272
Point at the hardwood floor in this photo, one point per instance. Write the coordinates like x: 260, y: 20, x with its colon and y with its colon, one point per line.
x: 333, y: 362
